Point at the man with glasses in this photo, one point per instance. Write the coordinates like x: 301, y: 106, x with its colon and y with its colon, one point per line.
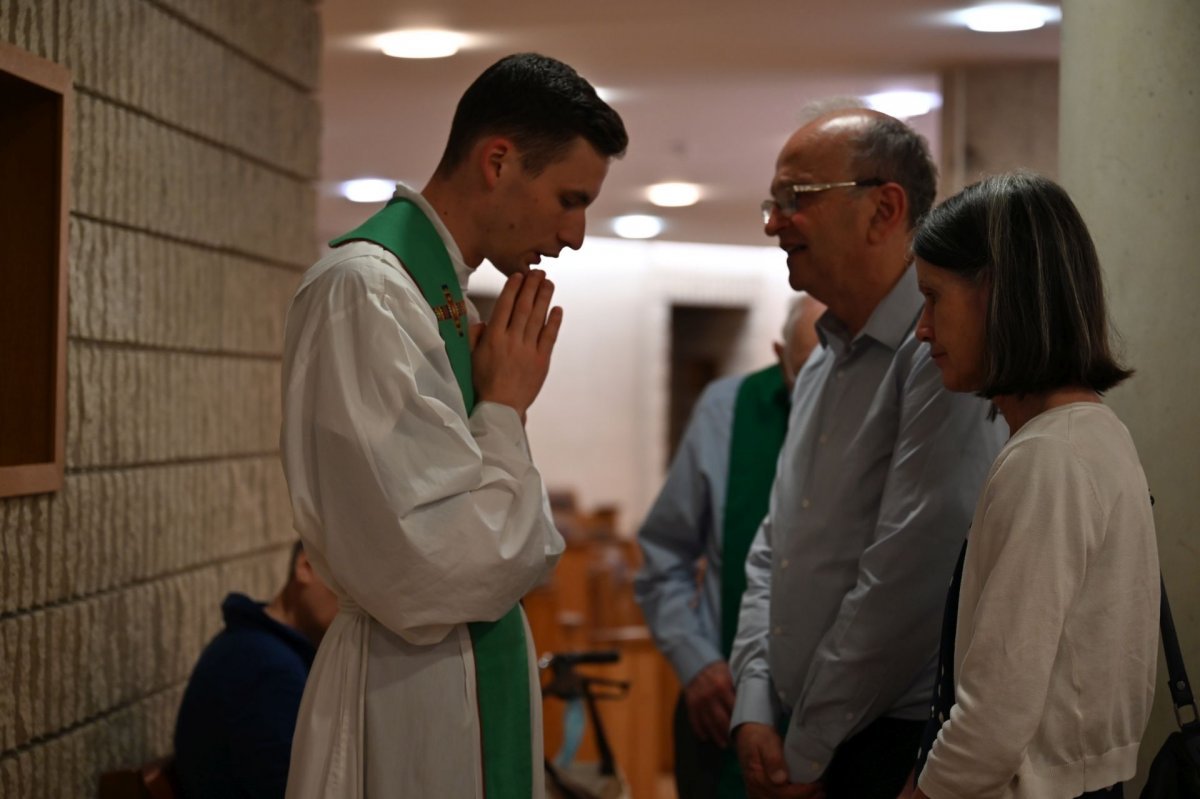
x: 838, y: 632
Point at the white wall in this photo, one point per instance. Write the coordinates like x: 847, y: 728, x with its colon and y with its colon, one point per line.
x: 600, y: 424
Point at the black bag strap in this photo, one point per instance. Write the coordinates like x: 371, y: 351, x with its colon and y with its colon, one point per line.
x: 1181, y: 689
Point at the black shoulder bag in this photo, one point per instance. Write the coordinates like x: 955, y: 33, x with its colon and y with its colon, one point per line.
x: 1175, y: 772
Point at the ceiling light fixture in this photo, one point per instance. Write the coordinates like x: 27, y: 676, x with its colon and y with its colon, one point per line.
x: 637, y: 226
x: 421, y: 43
x: 673, y: 194
x: 904, y: 104
x: 367, y: 190
x: 1007, y: 17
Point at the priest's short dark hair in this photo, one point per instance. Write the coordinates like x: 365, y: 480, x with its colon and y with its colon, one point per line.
x: 542, y: 104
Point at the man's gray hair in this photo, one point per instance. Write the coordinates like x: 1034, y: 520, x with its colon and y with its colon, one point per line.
x: 890, y: 149
x: 885, y: 148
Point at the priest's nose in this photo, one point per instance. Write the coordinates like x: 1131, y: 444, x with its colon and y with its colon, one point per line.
x: 572, y: 232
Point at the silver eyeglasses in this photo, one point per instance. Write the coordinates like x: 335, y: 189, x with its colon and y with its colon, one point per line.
x: 786, y: 204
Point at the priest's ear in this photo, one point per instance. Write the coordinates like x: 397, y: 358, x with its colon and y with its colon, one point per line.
x: 496, y: 155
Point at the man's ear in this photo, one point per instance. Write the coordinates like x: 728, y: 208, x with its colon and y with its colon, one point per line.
x: 303, y: 573
x: 890, y: 213
x: 496, y: 155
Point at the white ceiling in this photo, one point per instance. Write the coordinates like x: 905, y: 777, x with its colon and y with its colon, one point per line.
x: 708, y: 91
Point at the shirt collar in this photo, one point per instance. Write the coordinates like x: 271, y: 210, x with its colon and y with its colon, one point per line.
x: 890, y: 322
x: 461, y: 270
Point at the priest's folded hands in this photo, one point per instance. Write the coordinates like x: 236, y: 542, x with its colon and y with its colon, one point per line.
x: 510, y: 356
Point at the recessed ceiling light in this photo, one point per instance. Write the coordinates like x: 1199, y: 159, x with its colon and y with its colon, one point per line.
x: 1007, y: 17
x: 673, y: 194
x: 637, y: 226
x: 904, y: 104
x: 421, y: 43
x: 367, y: 190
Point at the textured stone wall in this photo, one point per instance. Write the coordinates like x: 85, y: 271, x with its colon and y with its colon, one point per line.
x: 194, y: 147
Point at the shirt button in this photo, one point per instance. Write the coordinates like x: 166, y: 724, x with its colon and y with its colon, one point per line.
x: 823, y: 438
x: 806, y: 503
x: 785, y: 563
x: 778, y: 630
x: 849, y: 717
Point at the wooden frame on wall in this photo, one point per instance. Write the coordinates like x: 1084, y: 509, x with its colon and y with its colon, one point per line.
x: 35, y: 110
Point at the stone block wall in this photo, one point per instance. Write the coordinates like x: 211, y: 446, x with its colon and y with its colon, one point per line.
x: 194, y: 140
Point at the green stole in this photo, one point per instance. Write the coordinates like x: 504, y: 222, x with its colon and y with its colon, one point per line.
x: 760, y: 416
x: 501, y: 655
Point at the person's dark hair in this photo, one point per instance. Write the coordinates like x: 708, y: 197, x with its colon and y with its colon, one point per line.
x: 889, y: 149
x: 1047, y: 324
x: 539, y: 102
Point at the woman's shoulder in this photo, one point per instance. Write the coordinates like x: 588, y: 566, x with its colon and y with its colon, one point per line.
x: 1088, y: 432
x: 1084, y: 444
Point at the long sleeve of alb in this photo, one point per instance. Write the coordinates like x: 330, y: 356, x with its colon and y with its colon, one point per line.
x: 421, y: 517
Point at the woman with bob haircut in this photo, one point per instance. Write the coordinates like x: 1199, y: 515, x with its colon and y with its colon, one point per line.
x: 1051, y: 632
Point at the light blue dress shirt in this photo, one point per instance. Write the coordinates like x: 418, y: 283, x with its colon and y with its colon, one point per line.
x: 684, y: 525
x: 847, y: 576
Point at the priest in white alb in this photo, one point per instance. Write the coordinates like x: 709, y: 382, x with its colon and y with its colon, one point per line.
x: 404, y: 448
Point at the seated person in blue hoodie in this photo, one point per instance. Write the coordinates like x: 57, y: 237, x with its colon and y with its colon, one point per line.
x: 233, y: 736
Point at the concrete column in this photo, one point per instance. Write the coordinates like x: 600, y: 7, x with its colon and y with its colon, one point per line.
x: 997, y: 118
x: 1129, y: 132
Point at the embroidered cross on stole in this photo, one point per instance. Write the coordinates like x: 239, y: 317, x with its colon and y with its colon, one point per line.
x: 454, y: 310
x: 500, y: 650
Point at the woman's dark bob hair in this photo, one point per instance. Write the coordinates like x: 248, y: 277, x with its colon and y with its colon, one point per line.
x: 1047, y: 326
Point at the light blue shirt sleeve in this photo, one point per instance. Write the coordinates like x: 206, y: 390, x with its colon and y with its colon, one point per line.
x: 683, y: 527
x: 755, y: 700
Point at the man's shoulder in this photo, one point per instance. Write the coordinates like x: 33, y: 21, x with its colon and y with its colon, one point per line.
x: 249, y: 646
x: 916, y: 375
x: 719, y: 397
x: 723, y: 388
x: 239, y: 671
x: 358, y: 273
x: 361, y: 262
x: 913, y: 354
